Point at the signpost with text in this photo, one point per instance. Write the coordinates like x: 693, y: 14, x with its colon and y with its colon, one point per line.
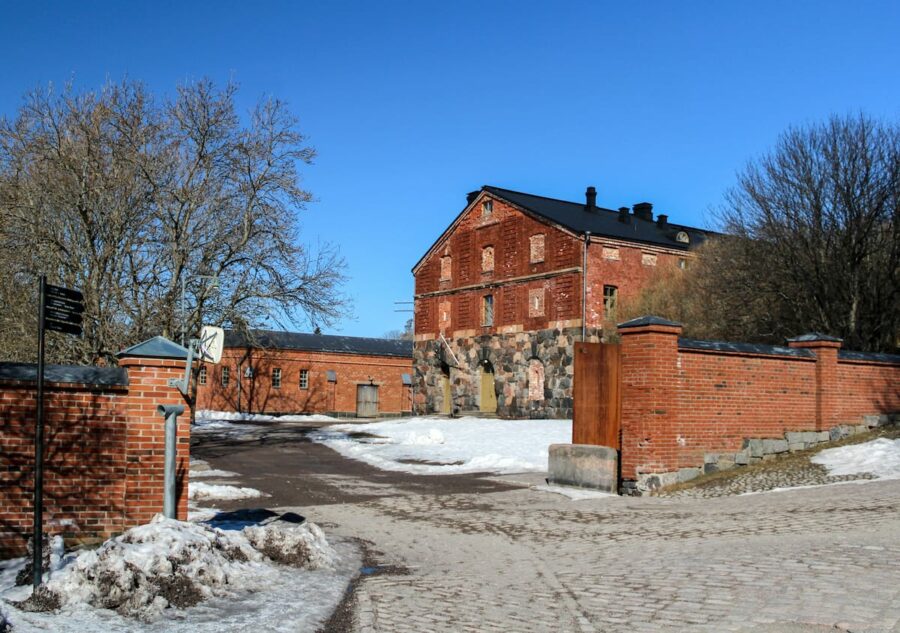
x: 60, y: 310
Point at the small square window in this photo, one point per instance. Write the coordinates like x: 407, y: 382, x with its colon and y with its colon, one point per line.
x: 487, y: 208
x: 304, y: 379
x: 610, y: 252
x: 682, y: 263
x: 201, y: 379
x: 276, y: 378
x: 487, y: 310
x: 225, y: 376
x: 648, y: 259
x: 536, y: 302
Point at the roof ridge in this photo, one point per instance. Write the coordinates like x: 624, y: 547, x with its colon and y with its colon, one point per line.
x: 534, y: 195
x: 367, y: 338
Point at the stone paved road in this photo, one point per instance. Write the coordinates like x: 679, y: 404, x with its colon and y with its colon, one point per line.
x: 510, y: 558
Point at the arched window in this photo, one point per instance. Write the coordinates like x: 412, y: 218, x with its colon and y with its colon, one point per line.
x: 535, y: 380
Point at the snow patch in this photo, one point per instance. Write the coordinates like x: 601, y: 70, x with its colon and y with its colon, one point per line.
x: 154, y: 572
x: 576, y: 494
x: 198, y: 490
x: 879, y: 457
x: 212, y: 472
x: 424, y: 445
x: 206, y: 416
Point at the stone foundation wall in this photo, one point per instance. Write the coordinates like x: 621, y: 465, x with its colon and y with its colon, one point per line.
x: 754, y: 450
x: 510, y: 356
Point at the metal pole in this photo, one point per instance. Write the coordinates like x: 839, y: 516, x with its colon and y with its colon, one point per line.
x: 171, y: 413
x: 183, y: 317
x: 587, y: 240
x: 38, y: 548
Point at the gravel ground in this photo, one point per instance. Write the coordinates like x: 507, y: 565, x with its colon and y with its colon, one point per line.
x: 791, y: 471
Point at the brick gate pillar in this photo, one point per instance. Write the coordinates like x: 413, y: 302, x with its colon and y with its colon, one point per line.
x: 826, y: 350
x: 650, y: 410
x: 150, y: 365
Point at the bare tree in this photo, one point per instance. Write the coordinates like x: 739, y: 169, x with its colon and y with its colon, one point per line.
x: 406, y: 334
x: 136, y: 200
x: 812, y: 243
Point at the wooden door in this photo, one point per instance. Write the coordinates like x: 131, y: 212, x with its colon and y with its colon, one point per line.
x: 366, y: 401
x: 488, y: 402
x: 596, y: 394
x: 447, y: 401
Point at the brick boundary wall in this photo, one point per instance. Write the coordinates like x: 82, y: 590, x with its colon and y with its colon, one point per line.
x: 690, y: 407
x: 104, y: 454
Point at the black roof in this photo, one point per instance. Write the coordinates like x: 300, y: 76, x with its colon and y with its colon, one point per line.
x: 602, y: 222
x: 745, y: 348
x: 86, y: 375
x: 270, y: 339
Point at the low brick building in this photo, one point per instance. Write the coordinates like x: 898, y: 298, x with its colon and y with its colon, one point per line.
x: 514, y: 281
x: 293, y: 372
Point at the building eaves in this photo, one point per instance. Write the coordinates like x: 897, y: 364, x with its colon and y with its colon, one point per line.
x: 302, y: 341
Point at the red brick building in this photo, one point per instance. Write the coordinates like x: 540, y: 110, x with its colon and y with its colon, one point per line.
x: 292, y: 372
x: 514, y: 281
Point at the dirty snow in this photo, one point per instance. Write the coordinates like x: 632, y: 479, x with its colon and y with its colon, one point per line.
x: 423, y: 445
x: 242, y: 588
x: 879, y: 457
x: 206, y: 416
x: 201, y: 491
x: 212, y: 472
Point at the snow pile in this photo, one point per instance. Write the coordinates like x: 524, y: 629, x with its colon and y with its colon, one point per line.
x: 879, y: 457
x: 576, y: 494
x: 206, y: 416
x: 200, y: 491
x: 170, y: 563
x: 212, y: 472
x: 445, y: 446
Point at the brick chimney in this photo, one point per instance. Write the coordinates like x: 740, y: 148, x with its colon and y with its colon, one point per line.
x: 470, y: 197
x: 590, y: 199
x: 644, y: 210
x: 662, y: 220
x: 624, y: 218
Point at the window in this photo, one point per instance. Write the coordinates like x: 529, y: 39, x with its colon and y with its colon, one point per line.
x: 487, y: 310
x: 682, y: 263
x: 610, y: 299
x: 648, y: 259
x: 536, y: 302
x: 537, y: 248
x: 276, y: 378
x: 487, y: 259
x: 682, y: 237
x: 444, y: 310
x: 202, y: 377
x: 304, y: 379
x: 225, y: 376
x: 446, y: 268
x: 535, y: 380
x: 487, y: 208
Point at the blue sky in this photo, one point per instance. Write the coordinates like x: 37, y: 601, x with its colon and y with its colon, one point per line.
x: 412, y: 104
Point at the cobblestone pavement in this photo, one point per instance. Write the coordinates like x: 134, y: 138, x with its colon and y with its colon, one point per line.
x: 511, y: 558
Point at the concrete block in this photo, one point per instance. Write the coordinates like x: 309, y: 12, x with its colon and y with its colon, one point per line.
x: 686, y: 474
x: 756, y: 448
x: 774, y: 446
x: 584, y: 466
x: 794, y: 437
x: 839, y: 432
x: 809, y: 437
x: 769, y: 457
x: 798, y: 446
x: 860, y: 428
x: 710, y: 468
x: 710, y: 458
x: 725, y: 463
x: 822, y: 436
x: 742, y: 458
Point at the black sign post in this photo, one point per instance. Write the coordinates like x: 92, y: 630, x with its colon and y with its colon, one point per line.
x: 60, y: 310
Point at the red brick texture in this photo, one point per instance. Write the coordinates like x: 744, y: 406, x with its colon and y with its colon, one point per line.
x: 257, y: 394
x: 680, y: 404
x: 103, y: 468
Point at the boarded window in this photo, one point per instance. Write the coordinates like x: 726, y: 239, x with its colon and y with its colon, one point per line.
x: 304, y: 379
x: 610, y: 300
x: 536, y: 302
x: 682, y: 263
x: 487, y: 259
x: 446, y: 268
x: 487, y: 310
x: 648, y: 259
x: 444, y: 311
x: 202, y: 377
x: 535, y: 379
x: 610, y: 253
x: 537, y: 248
x: 276, y: 377
x: 225, y: 376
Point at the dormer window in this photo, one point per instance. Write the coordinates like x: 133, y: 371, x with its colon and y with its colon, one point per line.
x: 682, y: 237
x: 487, y: 208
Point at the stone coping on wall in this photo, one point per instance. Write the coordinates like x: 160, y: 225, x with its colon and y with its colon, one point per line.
x: 868, y: 357
x: 754, y: 450
x: 65, y: 374
x: 744, y: 348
